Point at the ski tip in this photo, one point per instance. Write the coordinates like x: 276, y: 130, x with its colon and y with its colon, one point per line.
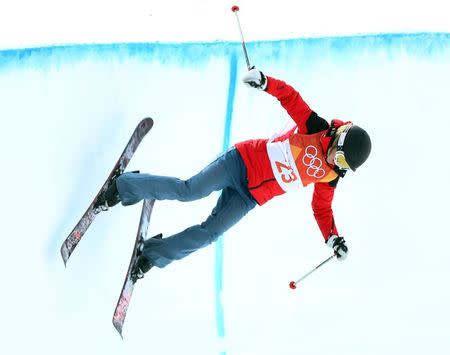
x: 148, y: 120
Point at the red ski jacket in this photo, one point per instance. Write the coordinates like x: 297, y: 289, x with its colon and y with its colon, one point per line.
x: 262, y: 183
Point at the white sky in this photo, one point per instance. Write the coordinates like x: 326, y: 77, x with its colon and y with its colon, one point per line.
x: 25, y: 23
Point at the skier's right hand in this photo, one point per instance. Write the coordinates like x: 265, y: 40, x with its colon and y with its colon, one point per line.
x: 255, y: 79
x: 338, y: 244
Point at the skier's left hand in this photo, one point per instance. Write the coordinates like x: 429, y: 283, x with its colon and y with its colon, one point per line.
x: 338, y: 244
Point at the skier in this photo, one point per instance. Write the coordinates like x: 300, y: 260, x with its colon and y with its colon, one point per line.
x: 251, y: 173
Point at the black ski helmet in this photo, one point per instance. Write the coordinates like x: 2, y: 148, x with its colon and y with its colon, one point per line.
x: 357, y: 147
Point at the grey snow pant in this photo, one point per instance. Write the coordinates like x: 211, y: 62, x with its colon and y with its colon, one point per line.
x: 227, y: 173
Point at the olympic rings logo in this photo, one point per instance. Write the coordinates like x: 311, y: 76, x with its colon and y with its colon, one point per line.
x: 313, y: 163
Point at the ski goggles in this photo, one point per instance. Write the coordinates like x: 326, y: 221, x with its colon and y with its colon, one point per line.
x: 339, y: 156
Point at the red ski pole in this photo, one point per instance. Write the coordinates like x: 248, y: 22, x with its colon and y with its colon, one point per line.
x: 235, y: 9
x: 293, y: 284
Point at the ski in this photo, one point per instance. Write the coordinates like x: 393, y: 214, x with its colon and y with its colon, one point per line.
x: 72, y: 240
x: 120, y: 311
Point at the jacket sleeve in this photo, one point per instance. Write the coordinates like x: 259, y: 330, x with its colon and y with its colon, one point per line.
x: 291, y: 100
x: 321, y: 204
x: 306, y: 119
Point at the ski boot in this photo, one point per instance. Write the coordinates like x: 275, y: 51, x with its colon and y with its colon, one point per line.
x: 109, y: 198
x: 142, y: 264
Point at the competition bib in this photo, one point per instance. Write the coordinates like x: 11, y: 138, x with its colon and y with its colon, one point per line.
x: 298, y: 160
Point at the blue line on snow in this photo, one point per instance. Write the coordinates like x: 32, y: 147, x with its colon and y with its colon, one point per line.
x: 196, y: 53
x: 220, y: 320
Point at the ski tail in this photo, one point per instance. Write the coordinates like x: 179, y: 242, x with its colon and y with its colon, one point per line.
x: 121, y: 309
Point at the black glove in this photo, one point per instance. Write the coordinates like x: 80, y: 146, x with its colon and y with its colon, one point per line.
x: 339, y: 246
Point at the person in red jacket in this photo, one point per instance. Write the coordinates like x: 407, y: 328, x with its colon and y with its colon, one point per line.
x: 251, y: 173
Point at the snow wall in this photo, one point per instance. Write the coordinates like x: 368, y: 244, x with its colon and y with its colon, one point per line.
x: 66, y: 113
